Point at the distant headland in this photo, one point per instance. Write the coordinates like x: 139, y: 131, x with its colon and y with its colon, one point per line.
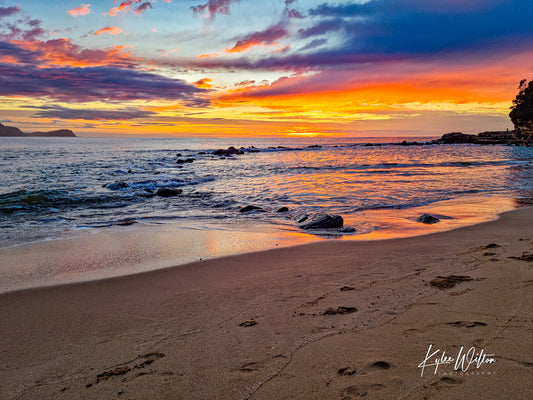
x: 11, y: 131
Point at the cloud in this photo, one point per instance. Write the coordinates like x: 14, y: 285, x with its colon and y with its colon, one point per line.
x: 268, y: 37
x: 8, y: 11
x: 121, y: 114
x: 314, y: 43
x: 75, y: 84
x: 204, y: 83
x: 22, y: 29
x: 213, y: 7
x: 62, y: 52
x: 127, y: 5
x: 418, y: 27
x: 112, y: 30
x: 142, y: 8
x: 84, y: 9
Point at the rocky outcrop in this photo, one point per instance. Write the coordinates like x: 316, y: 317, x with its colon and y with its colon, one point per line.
x: 427, y: 219
x: 495, y: 137
x: 227, y: 152
x: 11, y: 131
x: 319, y: 221
x: 56, y: 133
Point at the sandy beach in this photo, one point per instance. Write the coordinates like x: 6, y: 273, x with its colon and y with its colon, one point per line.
x: 328, y: 320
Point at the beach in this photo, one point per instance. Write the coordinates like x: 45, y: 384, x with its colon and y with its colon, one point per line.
x: 326, y: 320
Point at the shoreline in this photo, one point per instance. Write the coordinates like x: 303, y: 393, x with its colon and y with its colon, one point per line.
x: 122, y: 251
x: 334, y: 319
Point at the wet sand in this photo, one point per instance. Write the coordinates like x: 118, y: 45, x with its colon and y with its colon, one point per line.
x: 328, y: 320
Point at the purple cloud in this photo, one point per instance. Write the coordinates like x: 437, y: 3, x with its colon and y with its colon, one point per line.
x: 95, y: 84
x: 214, y: 7
x: 123, y: 114
x: 8, y: 11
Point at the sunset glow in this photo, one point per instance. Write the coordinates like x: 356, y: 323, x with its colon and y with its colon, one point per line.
x: 293, y: 67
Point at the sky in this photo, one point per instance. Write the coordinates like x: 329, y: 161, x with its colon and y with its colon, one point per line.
x: 275, y: 68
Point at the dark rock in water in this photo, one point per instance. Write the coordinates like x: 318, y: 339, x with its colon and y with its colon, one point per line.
x: 116, y: 185
x: 347, y: 229
x: 495, y: 137
x: 250, y: 208
x: 178, y: 155
x: 227, y: 152
x: 186, y: 161
x: 427, y: 219
x: 167, y: 192
x: 202, y: 153
x: 299, y: 218
x: 457, y: 137
x: 321, y: 221
x: 283, y: 209
x: 253, y: 151
x: 314, y: 146
x: 126, y: 221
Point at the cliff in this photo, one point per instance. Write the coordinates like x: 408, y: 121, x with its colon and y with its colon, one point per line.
x: 11, y: 131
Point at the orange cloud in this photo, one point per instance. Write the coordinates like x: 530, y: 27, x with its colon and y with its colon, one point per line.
x: 208, y: 55
x: 62, y: 52
x: 268, y: 37
x: 112, y: 30
x: 81, y: 10
x: 204, y: 83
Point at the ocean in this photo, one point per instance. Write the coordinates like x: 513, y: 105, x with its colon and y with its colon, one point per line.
x: 63, y: 188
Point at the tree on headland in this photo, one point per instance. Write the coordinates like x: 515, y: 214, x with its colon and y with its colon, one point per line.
x: 522, y: 110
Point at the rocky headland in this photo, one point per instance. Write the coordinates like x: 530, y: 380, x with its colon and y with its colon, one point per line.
x: 11, y: 131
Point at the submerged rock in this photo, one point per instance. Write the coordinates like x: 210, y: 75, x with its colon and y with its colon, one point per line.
x: 283, y: 209
x: 167, y: 192
x: 187, y: 160
x: 427, y: 219
x: 347, y: 229
x: 227, y: 152
x: 321, y: 221
x: 116, y: 185
x: 250, y: 208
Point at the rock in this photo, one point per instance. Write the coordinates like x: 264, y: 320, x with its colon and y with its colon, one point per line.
x: 314, y: 146
x: 116, y: 185
x: 187, y: 160
x: 227, y: 152
x: 427, y: 219
x: 201, y: 153
x: 178, y: 155
x: 299, y: 218
x: 250, y: 208
x: 283, y: 209
x: 167, y: 192
x: 321, y: 221
x: 253, y: 151
x: 457, y: 137
x: 347, y: 229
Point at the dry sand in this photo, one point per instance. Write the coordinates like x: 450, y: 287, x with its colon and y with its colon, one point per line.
x: 331, y: 320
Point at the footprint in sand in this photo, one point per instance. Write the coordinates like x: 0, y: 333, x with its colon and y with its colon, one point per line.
x: 466, y: 324
x: 122, y: 369
x: 347, y: 288
x: 346, y: 371
x: 379, y: 365
x: 247, y: 324
x: 339, y: 310
x: 446, y: 381
x: 447, y: 282
x: 355, y: 392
